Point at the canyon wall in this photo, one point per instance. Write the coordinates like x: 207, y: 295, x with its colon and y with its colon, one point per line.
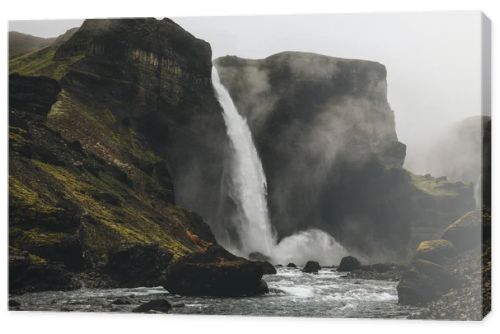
x: 326, y: 136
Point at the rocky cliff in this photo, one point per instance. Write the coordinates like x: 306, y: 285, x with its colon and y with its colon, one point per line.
x: 326, y: 135
x: 111, y: 128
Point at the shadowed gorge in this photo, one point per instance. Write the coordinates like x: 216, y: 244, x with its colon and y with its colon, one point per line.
x: 325, y: 132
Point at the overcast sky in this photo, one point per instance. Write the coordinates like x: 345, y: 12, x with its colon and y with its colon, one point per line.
x: 432, y: 59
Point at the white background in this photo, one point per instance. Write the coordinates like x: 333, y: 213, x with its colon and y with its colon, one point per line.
x: 24, y: 322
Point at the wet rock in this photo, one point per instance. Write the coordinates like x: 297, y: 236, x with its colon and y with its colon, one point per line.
x: 29, y: 273
x: 178, y: 305
x: 156, y: 305
x: 257, y: 256
x: 267, y: 268
x: 14, y: 304
x: 425, y: 282
x: 291, y: 265
x: 349, y: 263
x: 381, y: 267
x: 311, y: 267
x: 437, y: 251
x: 121, y: 301
x: 139, y: 265
x: 215, y: 272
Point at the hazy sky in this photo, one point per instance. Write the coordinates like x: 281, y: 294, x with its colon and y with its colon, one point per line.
x: 432, y: 59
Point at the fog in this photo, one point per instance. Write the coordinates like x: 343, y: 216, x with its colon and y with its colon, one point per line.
x: 432, y: 59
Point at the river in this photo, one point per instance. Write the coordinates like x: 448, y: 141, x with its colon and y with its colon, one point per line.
x: 292, y: 293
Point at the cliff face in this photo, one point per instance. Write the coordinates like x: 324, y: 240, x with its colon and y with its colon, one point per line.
x: 103, y: 124
x: 153, y: 77
x: 326, y: 136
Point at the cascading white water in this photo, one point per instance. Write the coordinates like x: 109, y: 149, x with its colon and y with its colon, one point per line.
x: 249, y: 191
x: 248, y: 188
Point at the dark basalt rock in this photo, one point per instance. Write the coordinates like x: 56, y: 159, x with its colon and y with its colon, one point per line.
x: 267, y: 268
x: 121, y: 301
x: 291, y: 265
x: 382, y: 267
x: 311, y: 267
x: 14, y: 304
x: 438, y: 251
x: 139, y: 265
x: 257, y: 256
x: 28, y: 273
x: 349, y: 263
x: 157, y: 305
x: 32, y: 94
x: 215, y: 272
x: 424, y: 282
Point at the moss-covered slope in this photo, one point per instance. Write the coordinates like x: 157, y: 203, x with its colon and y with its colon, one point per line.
x: 103, y: 123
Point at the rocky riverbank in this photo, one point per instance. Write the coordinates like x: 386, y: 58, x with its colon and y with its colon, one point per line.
x: 451, y: 278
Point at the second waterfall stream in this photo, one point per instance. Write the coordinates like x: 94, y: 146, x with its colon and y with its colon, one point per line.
x: 248, y: 189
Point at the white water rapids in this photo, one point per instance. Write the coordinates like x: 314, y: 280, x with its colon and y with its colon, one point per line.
x: 248, y: 189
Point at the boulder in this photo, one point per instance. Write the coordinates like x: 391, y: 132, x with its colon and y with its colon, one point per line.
x: 437, y: 251
x: 29, y: 273
x: 349, y: 263
x: 156, y: 305
x: 465, y: 232
x: 291, y: 265
x: 257, y: 256
x: 139, y: 265
x: 424, y: 282
x: 215, y: 272
x: 267, y: 268
x: 382, y: 267
x: 311, y: 267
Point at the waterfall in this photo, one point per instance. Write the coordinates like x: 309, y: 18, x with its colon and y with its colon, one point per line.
x: 248, y: 181
x: 248, y: 189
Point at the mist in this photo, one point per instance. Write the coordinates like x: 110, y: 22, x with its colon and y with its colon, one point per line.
x: 433, y: 59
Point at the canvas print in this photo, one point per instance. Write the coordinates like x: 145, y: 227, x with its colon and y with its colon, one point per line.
x: 301, y: 165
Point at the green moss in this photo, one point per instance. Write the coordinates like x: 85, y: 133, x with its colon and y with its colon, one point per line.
x: 39, y: 237
x: 34, y: 259
x: 137, y: 149
x: 17, y: 135
x: 134, y: 223
x: 433, y: 186
x: 97, y: 129
x: 430, y: 245
x: 29, y: 198
x: 42, y: 62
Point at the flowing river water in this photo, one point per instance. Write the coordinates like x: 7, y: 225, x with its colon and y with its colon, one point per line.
x: 292, y: 293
